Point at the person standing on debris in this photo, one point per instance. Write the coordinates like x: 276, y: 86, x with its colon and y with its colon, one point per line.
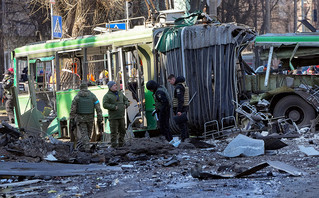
x: 8, y: 99
x: 162, y: 107
x: 82, y: 116
x: 116, y: 103
x: 180, y: 104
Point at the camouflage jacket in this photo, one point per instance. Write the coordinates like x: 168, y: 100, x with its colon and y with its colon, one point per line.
x: 7, y: 84
x: 115, y: 103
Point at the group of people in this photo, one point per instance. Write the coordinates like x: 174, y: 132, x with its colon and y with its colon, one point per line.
x: 163, y: 105
x: 82, y: 115
x: 85, y: 102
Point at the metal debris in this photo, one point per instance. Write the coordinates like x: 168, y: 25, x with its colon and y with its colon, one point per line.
x: 309, y: 151
x: 243, y: 145
x: 197, y: 172
x: 52, y: 169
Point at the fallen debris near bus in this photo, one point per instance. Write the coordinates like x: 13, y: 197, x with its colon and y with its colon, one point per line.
x: 198, y: 173
x: 150, y: 163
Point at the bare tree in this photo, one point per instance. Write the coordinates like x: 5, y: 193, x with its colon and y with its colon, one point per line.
x: 81, y: 16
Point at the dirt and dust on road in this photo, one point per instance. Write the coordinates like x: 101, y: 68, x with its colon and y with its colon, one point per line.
x: 276, y: 165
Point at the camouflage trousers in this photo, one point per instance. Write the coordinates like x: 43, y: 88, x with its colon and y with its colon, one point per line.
x: 82, y: 136
x: 117, y: 127
x: 9, y: 109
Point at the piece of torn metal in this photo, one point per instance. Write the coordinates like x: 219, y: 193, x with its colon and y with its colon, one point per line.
x: 23, y: 183
x: 275, y: 164
x: 196, y: 171
x: 243, y: 145
x: 286, y: 168
x: 274, y: 144
x: 309, y: 151
x: 51, y: 169
x: 277, y: 136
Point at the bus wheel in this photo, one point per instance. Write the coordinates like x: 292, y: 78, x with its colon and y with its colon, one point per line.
x: 295, y: 108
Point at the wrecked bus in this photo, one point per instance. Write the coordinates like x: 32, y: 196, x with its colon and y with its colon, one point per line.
x: 290, y: 93
x: 204, y: 53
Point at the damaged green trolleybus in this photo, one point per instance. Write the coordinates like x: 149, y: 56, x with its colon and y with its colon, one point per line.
x: 208, y: 55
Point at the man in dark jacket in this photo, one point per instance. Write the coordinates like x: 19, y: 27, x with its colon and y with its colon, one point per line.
x: 116, y: 103
x: 7, y: 84
x: 180, y: 103
x: 162, y: 107
x: 82, y: 115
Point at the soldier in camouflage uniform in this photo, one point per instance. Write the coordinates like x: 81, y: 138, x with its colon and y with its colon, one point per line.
x: 7, y: 84
x: 116, y: 103
x: 82, y: 114
x: 162, y: 107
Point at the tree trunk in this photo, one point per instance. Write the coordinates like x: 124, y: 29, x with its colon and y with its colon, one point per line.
x: 267, y: 22
x: 2, y: 4
x: 295, y: 15
x: 256, y: 15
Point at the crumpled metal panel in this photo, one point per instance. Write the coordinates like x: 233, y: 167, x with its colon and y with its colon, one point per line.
x: 210, y: 52
x: 199, y: 36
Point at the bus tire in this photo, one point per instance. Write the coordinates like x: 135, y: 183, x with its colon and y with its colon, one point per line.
x: 296, y: 108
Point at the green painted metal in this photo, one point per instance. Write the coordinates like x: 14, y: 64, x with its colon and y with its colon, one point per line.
x: 64, y: 100
x: 147, y: 58
x: 255, y: 83
x: 46, y: 52
x: 24, y: 102
x: 42, y: 59
x: 49, y: 48
x: 54, y: 127
x: 274, y: 39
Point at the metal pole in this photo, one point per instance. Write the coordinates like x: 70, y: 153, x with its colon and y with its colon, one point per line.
x: 269, y: 65
x: 183, y: 52
x: 57, y: 77
x: 122, y: 69
x: 51, y: 4
x: 127, y: 14
x: 109, y: 64
x: 84, y: 66
x: 139, y: 84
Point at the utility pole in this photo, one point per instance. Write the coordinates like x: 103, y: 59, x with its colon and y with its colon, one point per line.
x: 51, y: 9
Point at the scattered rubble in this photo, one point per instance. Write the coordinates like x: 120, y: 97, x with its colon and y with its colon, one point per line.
x: 149, y: 167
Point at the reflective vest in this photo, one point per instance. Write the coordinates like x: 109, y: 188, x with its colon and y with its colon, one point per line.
x: 186, y: 96
x: 85, y: 105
